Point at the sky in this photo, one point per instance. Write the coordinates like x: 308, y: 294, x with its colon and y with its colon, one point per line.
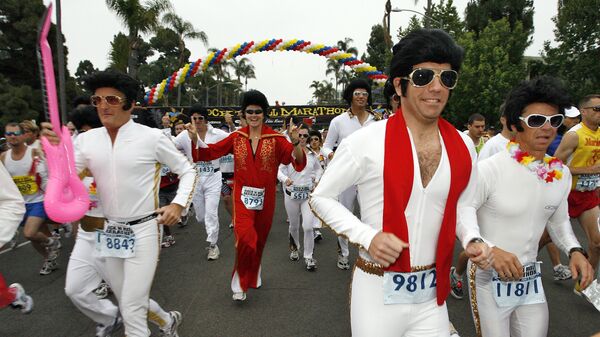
x: 89, y: 27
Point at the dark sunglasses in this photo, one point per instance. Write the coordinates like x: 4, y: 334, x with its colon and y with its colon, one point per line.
x: 110, y: 100
x: 253, y: 112
x: 537, y: 120
x: 198, y: 118
x: 595, y: 108
x: 13, y: 133
x: 303, y: 135
x: 421, y: 77
x: 314, y: 139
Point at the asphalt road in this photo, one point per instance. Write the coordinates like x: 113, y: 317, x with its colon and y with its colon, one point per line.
x: 291, y: 302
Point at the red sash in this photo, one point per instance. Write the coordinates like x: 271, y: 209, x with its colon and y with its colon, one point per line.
x: 398, y: 173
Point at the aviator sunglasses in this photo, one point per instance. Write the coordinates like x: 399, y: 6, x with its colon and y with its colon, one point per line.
x: 110, y: 100
x: 537, y: 120
x: 12, y: 133
x: 253, y: 112
x: 421, y: 77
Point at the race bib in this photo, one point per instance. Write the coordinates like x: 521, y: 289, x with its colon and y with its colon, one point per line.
x: 587, y: 182
x: 26, y: 184
x: 409, y: 288
x: 300, y: 192
x: 527, y: 290
x: 205, y: 168
x: 253, y: 198
x: 117, y: 240
x: 228, y: 159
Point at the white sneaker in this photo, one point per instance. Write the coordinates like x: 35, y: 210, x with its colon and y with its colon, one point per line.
x: 213, y: 252
x: 239, y: 296
x: 318, y: 235
x: 52, y: 247
x: 106, y: 330
x: 48, y: 267
x: 561, y: 273
x: 592, y: 294
x: 22, y: 300
x: 294, y: 256
x: 231, y: 225
x: 342, y: 262
x: 311, y: 264
x: 171, y: 330
x: 102, y: 291
x: 13, y: 243
x: 68, y: 229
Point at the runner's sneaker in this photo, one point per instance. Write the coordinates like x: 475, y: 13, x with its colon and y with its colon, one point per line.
x: 342, y: 262
x: 171, y: 330
x: 453, y: 332
x: 13, y: 243
x: 67, y: 229
x: 48, y: 267
x: 22, y: 300
x: 239, y: 296
x: 561, y: 273
x: 311, y: 264
x: 577, y: 288
x: 456, y: 288
x: 213, y: 252
x: 102, y: 291
x: 107, y: 330
x: 231, y: 225
x: 52, y: 247
x: 294, y: 256
x: 168, y: 241
x: 318, y: 235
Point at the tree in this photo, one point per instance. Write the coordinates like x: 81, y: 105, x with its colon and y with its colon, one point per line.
x: 378, y: 54
x: 138, y: 19
x: 184, y: 30
x: 334, y: 68
x: 480, y: 12
x: 575, y: 58
x: 243, y: 68
x: 16, y: 102
x: 487, y: 73
x: 19, y: 22
x: 84, y: 69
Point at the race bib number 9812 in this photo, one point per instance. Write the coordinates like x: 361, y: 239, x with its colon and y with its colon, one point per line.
x: 409, y: 288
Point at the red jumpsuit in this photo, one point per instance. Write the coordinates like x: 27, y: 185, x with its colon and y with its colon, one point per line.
x: 259, y: 170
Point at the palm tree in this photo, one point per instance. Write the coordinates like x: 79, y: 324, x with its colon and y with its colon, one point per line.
x: 243, y: 68
x: 317, y: 93
x: 334, y: 67
x: 184, y: 30
x: 139, y: 19
x: 344, y: 45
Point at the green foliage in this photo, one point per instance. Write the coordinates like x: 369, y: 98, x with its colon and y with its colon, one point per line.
x: 378, y: 53
x: 576, y: 57
x: 84, y: 69
x: 480, y: 12
x: 487, y: 74
x: 20, y: 84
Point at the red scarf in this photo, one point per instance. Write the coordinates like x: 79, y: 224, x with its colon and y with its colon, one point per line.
x: 398, y: 175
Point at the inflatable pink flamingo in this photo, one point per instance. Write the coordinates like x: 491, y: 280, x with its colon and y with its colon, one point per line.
x: 66, y: 198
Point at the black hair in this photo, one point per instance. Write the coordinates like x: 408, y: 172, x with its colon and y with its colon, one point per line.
x: 198, y: 109
x: 81, y: 100
x: 86, y: 115
x: 254, y: 97
x: 475, y: 117
x: 357, y: 83
x: 315, y: 133
x: 424, y: 45
x: 303, y: 126
x: 543, y: 89
x: 116, y: 80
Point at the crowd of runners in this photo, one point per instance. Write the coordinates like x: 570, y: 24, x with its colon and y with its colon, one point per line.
x: 401, y: 187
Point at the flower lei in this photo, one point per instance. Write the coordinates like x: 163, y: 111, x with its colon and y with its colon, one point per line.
x: 548, y: 170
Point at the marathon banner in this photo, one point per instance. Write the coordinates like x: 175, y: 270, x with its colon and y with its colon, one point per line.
x: 314, y: 115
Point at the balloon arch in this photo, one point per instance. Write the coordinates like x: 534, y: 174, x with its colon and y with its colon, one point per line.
x: 200, y: 65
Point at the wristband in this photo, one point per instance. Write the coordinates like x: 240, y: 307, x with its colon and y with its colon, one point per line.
x: 477, y: 240
x: 578, y: 249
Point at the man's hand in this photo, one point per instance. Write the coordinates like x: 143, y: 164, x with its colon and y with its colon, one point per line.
x: 579, y: 265
x: 288, y: 182
x: 385, y: 248
x: 480, y: 254
x: 169, y: 215
x: 330, y: 156
x: 507, y: 265
x: 293, y: 133
x: 49, y: 134
x: 228, y: 119
x: 192, y: 132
